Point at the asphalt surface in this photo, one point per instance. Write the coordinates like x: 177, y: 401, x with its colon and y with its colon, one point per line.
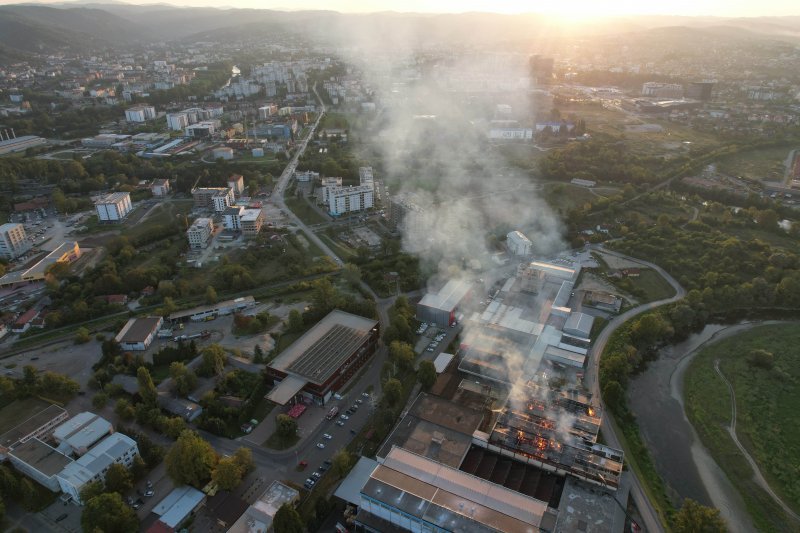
x: 651, y: 519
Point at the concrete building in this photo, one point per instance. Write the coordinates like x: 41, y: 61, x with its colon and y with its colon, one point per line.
x: 217, y: 198
x: 202, y: 130
x: 251, y: 221
x: 662, y: 90
x: 342, y: 200
x: 323, y: 359
x: 65, y: 253
x: 440, y: 308
x: 20, y: 144
x: 81, y: 432
x: 199, y: 233
x: 222, y: 152
x: 518, y: 244
x: 177, y: 507
x: 579, y: 325
x: 236, y: 184
x: 177, y: 121
x: 113, y: 207
x: 510, y: 134
x: 700, y: 90
x: 202, y: 312
x: 160, y: 188
x: 140, y: 113
x: 93, y: 465
x: 326, y: 185
x: 138, y: 333
x: 186, y: 409
x: 232, y: 218
x: 406, y: 212
x: 40, y: 462
x: 13, y: 241
x: 366, y: 177
x: 36, y: 426
x: 306, y: 176
x: 259, y: 516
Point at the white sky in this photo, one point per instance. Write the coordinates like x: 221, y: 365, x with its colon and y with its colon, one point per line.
x: 565, y: 8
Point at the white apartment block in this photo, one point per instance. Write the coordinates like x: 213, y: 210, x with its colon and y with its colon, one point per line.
x: 306, y: 176
x: 223, y: 201
x: 199, y: 233
x: 349, y: 199
x: 177, y: 121
x: 113, y: 207
x: 327, y: 185
x: 365, y: 176
x: 13, y: 241
x: 92, y: 466
x: 140, y: 113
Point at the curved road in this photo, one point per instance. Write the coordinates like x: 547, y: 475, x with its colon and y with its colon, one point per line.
x: 651, y: 519
x: 759, y: 478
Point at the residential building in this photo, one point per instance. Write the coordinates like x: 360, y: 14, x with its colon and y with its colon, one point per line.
x: 81, y: 432
x: 251, y: 221
x: 352, y: 199
x: 365, y: 177
x: 177, y: 121
x: 306, y: 176
x: 113, y: 207
x: 199, y: 233
x: 217, y: 198
x: 440, y: 308
x: 323, y: 359
x: 93, y: 465
x: 138, y: 333
x: 232, y: 218
x: 700, y: 90
x: 140, y: 113
x: 236, y: 183
x: 160, y: 187
x: 23, y: 323
x: 326, y: 185
x: 405, y: 211
x: 259, y: 516
x: 518, y: 244
x: 203, y: 129
x: 13, y: 241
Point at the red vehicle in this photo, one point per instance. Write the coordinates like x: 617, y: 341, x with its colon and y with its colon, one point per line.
x: 332, y: 413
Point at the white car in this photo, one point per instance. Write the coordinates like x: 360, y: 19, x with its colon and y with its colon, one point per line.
x: 344, y: 417
x: 327, y: 437
x: 337, y: 396
x: 320, y: 445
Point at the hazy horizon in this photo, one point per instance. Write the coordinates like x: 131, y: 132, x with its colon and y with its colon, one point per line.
x: 567, y: 9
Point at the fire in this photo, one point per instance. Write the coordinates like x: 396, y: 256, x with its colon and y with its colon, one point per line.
x: 591, y: 411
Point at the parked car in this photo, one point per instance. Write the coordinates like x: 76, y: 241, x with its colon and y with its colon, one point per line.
x: 61, y: 517
x: 344, y: 417
x: 365, y: 394
x: 326, y: 436
x: 320, y: 445
x: 339, y: 423
x: 150, y: 493
x: 316, y: 475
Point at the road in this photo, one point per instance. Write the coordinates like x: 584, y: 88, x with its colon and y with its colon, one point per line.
x: 757, y: 476
x: 650, y: 517
x: 278, y: 199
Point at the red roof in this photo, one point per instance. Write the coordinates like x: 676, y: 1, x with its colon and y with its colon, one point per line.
x: 117, y: 299
x: 159, y: 527
x: 26, y: 317
x: 296, y: 410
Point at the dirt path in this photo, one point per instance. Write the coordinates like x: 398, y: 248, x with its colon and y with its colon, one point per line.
x: 757, y: 476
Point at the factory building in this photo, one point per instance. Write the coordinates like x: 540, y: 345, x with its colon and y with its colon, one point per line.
x: 138, y: 333
x: 518, y: 244
x: 322, y: 360
x: 440, y: 308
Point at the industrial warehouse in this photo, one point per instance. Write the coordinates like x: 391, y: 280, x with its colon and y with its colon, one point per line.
x: 506, y: 439
x: 323, y: 359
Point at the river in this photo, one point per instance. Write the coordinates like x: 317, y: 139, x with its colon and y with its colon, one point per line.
x: 656, y: 398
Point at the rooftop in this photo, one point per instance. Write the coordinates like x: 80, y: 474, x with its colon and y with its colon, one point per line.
x: 448, y: 296
x: 18, y: 427
x: 82, y: 430
x: 138, y: 329
x: 177, y: 505
x: 113, y: 198
x: 42, y: 457
x: 97, y: 459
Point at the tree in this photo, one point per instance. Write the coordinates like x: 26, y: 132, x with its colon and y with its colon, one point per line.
x: 173, y: 426
x: 244, y: 458
x: 761, y: 359
x: 614, y: 395
x: 392, y: 392
x: 91, y: 489
x: 82, y: 336
x: 696, y: 518
x: 287, y: 520
x: 213, y: 362
x: 258, y: 354
x: 227, y: 474
x: 286, y: 426
x: 402, y: 353
x: 109, y: 514
x: 340, y: 463
x: 295, y: 321
x: 426, y: 373
x: 124, y: 409
x: 183, y: 378
x: 211, y: 295
x: 648, y: 330
x: 99, y: 400
x: 190, y: 460
x: 352, y: 274
x: 118, y: 479
x: 27, y: 495
x: 147, y: 389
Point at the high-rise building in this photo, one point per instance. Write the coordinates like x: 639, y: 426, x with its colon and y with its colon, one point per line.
x: 199, y: 233
x: 541, y: 69
x: 113, y: 207
x: 140, y: 113
x: 13, y: 241
x: 700, y: 90
x: 343, y: 200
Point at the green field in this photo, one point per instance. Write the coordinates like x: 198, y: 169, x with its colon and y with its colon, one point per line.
x: 768, y: 416
x: 761, y: 164
x: 304, y: 211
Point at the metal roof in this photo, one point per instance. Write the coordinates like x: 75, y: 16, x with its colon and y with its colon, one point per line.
x: 448, y: 297
x: 178, y: 505
x: 138, y: 329
x: 286, y: 389
x: 82, y: 430
x: 350, y: 488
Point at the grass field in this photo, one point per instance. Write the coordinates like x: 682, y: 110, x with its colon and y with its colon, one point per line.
x: 763, y: 164
x: 304, y: 211
x: 768, y: 416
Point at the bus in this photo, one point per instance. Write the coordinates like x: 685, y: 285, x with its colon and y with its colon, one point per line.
x: 332, y: 413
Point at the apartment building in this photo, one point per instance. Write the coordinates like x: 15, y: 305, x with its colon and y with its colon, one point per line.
x: 343, y: 200
x: 199, y: 233
x: 13, y: 241
x: 113, y: 207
